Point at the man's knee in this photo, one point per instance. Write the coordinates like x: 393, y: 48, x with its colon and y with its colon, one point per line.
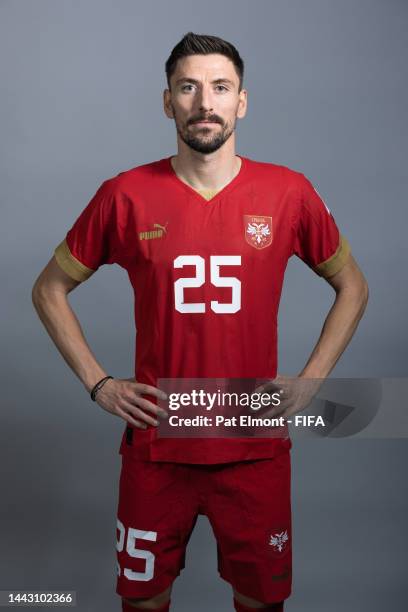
x: 134, y: 604
x: 160, y: 602
x: 242, y: 603
x: 262, y: 607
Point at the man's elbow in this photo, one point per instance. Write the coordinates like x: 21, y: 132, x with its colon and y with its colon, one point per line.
x: 35, y: 291
x: 37, y: 294
x: 358, y: 292
x: 364, y: 294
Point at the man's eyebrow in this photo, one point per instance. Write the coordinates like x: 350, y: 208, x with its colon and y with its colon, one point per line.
x: 190, y: 80
x: 223, y: 81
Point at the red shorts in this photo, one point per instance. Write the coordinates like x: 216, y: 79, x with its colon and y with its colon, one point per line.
x: 247, y: 504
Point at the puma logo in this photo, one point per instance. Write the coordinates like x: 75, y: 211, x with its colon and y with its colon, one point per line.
x: 162, y: 227
x: 282, y: 576
x: 159, y: 232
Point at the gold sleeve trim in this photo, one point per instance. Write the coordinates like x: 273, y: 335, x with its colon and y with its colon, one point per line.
x: 72, y: 266
x: 335, y: 263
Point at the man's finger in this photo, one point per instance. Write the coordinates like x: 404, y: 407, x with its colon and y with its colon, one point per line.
x: 145, y: 417
x: 149, y: 390
x: 277, y: 411
x: 149, y: 406
x: 138, y: 414
x: 129, y: 419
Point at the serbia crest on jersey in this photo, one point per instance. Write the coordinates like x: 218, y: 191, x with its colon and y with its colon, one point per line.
x: 207, y: 273
x: 258, y: 231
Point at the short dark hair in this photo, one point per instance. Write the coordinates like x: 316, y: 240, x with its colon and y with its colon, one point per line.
x: 203, y: 44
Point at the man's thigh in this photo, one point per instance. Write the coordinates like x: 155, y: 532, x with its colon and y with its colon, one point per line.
x: 250, y: 513
x: 156, y: 515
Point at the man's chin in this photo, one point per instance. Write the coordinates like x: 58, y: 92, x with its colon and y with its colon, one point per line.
x: 205, y: 148
x: 204, y: 141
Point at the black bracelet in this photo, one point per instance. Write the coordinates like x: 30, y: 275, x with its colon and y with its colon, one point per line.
x: 98, y: 386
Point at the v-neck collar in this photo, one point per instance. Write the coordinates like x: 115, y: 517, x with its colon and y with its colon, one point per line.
x: 193, y: 192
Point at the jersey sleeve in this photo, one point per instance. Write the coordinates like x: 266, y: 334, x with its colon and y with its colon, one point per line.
x: 318, y: 241
x: 91, y: 240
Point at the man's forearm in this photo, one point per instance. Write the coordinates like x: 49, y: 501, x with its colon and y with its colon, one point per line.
x: 65, y: 330
x: 337, y: 331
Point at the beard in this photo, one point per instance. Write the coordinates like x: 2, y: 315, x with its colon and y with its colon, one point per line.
x: 204, y: 140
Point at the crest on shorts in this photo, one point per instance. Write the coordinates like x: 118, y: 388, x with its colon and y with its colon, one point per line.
x: 258, y: 231
x: 279, y: 541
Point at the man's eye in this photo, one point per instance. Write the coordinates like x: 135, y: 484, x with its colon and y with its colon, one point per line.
x: 222, y: 87
x: 184, y: 87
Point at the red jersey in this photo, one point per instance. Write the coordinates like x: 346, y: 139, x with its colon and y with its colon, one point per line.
x: 207, y: 274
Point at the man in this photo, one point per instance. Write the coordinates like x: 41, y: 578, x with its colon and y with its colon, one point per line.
x: 205, y: 236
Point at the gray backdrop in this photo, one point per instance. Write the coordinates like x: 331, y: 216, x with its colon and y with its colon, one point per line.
x: 81, y: 101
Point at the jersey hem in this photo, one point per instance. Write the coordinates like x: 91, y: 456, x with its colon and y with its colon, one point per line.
x: 206, y: 452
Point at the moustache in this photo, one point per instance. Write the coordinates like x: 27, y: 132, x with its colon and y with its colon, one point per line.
x: 210, y: 119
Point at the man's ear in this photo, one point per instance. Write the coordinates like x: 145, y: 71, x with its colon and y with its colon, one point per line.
x: 167, y: 104
x: 242, y: 104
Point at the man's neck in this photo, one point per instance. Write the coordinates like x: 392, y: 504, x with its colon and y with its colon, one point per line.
x: 209, y: 172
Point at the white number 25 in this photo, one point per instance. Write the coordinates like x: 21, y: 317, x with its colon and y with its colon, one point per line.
x: 132, y: 551
x: 198, y: 280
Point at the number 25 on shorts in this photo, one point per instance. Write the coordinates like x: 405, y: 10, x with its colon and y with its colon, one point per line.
x: 138, y: 553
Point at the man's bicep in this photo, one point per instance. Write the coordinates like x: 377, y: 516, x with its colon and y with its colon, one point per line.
x: 349, y: 275
x: 54, y: 278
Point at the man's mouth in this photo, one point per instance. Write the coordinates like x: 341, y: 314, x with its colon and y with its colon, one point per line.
x: 204, y: 122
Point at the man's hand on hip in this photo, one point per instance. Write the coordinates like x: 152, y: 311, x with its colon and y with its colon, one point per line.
x: 123, y: 398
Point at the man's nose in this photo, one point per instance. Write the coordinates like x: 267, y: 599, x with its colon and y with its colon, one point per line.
x: 205, y: 100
